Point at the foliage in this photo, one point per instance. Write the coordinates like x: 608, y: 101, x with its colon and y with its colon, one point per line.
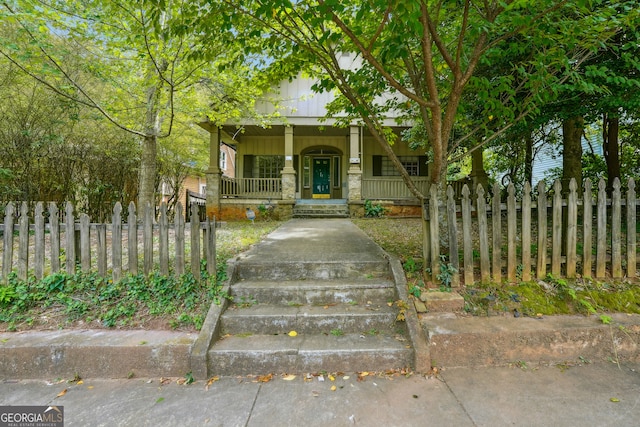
x: 445, y: 276
x: 373, y: 210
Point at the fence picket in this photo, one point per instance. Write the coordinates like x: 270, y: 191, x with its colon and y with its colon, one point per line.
x: 147, y: 240
x: 70, y: 239
x: 85, y: 243
x: 483, y: 236
x: 601, y: 250
x: 434, y: 223
x: 572, y: 229
x: 631, y: 228
x: 587, y: 229
x: 195, y: 242
x: 54, y: 237
x: 467, y: 242
x: 556, y: 229
x: 132, y: 240
x: 164, y: 240
x: 526, y: 232
x: 38, y: 266
x: 496, y: 232
x: 541, y: 264
x: 116, y: 243
x: 179, y: 226
x: 453, y: 237
x: 101, y: 238
x: 616, y: 223
x: 23, y: 243
x: 7, y: 242
x: 511, y: 233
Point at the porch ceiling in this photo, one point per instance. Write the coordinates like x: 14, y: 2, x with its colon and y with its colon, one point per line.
x: 277, y: 130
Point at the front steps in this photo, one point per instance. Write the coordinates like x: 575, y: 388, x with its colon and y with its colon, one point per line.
x: 343, y: 315
x: 321, y: 208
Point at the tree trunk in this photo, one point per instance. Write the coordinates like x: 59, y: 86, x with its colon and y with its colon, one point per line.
x: 528, y: 158
x: 610, y: 126
x: 148, y: 168
x: 572, y: 130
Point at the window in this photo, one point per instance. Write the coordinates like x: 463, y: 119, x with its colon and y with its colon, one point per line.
x: 203, y: 189
x: 414, y: 165
x: 223, y: 160
x: 263, y: 166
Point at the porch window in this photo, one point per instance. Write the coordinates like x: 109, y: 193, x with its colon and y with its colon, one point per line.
x: 263, y: 166
x: 414, y: 165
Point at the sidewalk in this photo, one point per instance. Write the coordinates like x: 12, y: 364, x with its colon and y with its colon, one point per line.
x: 590, y: 395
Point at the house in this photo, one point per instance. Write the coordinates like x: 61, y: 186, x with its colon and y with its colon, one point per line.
x: 304, y: 159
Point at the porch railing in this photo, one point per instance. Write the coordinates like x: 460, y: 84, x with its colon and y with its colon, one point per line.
x: 249, y: 188
x: 391, y: 188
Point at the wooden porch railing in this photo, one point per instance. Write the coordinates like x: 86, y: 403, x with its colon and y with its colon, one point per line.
x: 248, y: 188
x: 391, y: 188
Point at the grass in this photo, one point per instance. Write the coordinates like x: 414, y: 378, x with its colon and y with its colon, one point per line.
x: 402, y: 238
x: 137, y: 301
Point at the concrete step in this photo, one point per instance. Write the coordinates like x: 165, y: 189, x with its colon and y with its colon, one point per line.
x: 308, y: 319
x: 320, y: 210
x: 314, y: 292
x: 263, y: 354
x: 297, y: 270
x: 321, y: 214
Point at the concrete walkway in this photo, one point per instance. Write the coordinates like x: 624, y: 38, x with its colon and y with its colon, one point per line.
x: 590, y: 395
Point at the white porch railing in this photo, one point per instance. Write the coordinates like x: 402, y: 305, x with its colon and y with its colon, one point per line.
x: 391, y: 188
x: 249, y: 188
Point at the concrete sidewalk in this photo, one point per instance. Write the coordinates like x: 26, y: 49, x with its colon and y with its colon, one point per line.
x: 590, y: 395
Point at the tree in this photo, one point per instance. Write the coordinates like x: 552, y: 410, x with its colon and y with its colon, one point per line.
x: 120, y: 59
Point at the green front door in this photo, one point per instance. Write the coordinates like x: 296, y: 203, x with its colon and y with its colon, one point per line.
x: 321, y: 183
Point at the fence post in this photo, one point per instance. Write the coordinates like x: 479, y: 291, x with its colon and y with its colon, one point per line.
x: 132, y: 239
x: 483, y: 235
x: 616, y: 233
x: 467, y: 242
x: 631, y: 228
x: 70, y: 239
x: 587, y: 229
x: 54, y: 235
x: 541, y: 267
x: 7, y: 248
x: 454, y: 258
x: 23, y: 245
x: 38, y: 267
x: 556, y: 229
x: 179, y: 225
x: 116, y: 243
x: 572, y: 226
x: 601, y: 250
x: 511, y: 233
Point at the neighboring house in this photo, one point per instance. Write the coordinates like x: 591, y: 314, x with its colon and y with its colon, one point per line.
x: 196, y: 185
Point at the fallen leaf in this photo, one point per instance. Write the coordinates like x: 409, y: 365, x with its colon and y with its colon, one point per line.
x: 164, y: 381
x: 315, y: 393
x: 90, y: 387
x: 331, y: 378
x: 290, y: 377
x: 181, y: 381
x: 293, y: 334
x: 615, y: 399
x: 211, y: 381
x: 160, y: 399
x: 346, y: 377
x: 80, y: 382
x: 333, y: 388
x: 265, y: 378
x: 62, y: 393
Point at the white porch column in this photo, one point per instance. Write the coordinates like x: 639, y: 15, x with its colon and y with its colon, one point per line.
x: 213, y: 173
x: 288, y: 172
x: 355, y: 170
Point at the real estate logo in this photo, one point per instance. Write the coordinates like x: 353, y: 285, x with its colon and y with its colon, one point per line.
x: 31, y: 416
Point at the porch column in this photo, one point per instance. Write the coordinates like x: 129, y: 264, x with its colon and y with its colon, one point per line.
x: 355, y: 170
x: 288, y: 173
x: 213, y: 173
x: 478, y: 175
